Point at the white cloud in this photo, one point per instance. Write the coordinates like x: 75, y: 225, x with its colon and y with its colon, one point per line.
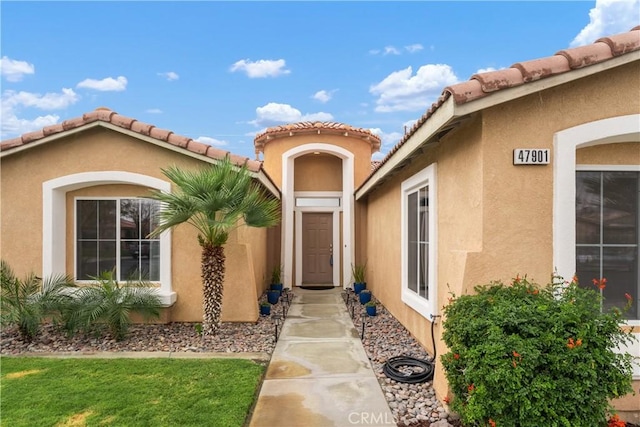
x: 13, y: 126
x: 403, y: 91
x: 153, y: 111
x: 409, y: 124
x: 317, y: 117
x: 416, y: 47
x: 48, y: 101
x: 14, y: 70
x: 388, y: 140
x: 261, y: 68
x: 107, y: 84
x: 274, y: 114
x: 12, y: 102
x: 211, y: 141
x: 485, y: 70
x: 390, y: 50
x: 608, y: 17
x: 324, y: 96
x: 170, y: 75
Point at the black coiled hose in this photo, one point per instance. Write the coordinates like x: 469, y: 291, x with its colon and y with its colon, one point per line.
x: 425, y: 371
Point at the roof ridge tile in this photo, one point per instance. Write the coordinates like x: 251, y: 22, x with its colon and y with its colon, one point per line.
x: 583, y: 56
x: 103, y: 114
x: 622, y: 43
x: 483, y: 84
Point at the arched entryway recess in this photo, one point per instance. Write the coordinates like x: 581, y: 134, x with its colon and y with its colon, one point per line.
x: 342, y: 216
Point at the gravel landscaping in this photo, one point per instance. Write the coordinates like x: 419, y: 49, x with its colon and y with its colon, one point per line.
x: 412, y: 405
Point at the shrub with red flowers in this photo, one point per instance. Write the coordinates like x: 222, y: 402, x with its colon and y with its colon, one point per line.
x: 524, y: 355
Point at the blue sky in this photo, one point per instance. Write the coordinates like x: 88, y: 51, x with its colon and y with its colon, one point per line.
x: 220, y: 72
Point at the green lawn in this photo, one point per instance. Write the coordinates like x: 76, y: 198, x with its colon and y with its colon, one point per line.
x: 126, y: 392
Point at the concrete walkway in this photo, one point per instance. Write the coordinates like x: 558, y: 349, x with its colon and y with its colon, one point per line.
x: 319, y: 374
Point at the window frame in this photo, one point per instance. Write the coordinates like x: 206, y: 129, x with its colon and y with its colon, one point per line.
x: 603, y: 169
x: 118, y: 239
x: 427, y: 307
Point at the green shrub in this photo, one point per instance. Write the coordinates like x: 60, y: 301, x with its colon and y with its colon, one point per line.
x: 523, y: 355
x: 27, y: 303
x: 105, y: 303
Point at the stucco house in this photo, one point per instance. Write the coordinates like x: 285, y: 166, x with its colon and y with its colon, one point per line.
x: 526, y: 170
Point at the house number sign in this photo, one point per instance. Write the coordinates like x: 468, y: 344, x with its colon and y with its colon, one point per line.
x: 531, y: 156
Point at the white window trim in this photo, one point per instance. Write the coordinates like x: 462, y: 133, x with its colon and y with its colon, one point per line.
x: 54, y: 214
x: 426, y: 307
x: 565, y: 144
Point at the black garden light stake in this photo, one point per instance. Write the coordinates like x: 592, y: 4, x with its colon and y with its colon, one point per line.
x: 276, y: 318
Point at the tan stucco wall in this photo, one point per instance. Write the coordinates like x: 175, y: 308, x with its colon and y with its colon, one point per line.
x: 459, y: 183
x: 318, y: 172
x: 494, y: 218
x: 275, y: 148
x: 99, y: 149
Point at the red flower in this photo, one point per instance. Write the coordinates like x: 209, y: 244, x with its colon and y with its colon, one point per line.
x: 579, y: 342
x: 535, y: 292
x: 628, y: 297
x: 492, y: 423
x: 456, y: 356
x: 516, y: 354
x: 571, y: 344
x: 446, y: 400
x: 517, y: 279
x: 615, y: 421
x: 601, y: 284
x: 513, y: 362
x: 575, y: 279
x: 470, y: 388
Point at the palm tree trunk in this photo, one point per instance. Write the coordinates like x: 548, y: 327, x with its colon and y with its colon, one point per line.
x: 212, y: 280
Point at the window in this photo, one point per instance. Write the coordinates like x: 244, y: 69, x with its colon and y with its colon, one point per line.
x: 112, y: 234
x: 419, y: 241
x: 607, y: 234
x: 318, y: 201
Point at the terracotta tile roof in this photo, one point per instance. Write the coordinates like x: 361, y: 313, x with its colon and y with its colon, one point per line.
x: 375, y: 164
x: 105, y: 115
x: 315, y: 127
x: 484, y: 84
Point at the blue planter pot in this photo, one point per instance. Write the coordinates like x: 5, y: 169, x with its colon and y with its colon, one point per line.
x: 358, y: 287
x: 276, y: 287
x: 371, y: 311
x: 365, y: 297
x: 273, y: 297
x: 265, y: 310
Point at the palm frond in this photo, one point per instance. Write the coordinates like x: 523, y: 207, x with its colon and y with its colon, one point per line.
x: 214, y: 200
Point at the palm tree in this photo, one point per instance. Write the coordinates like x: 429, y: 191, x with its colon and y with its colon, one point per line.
x: 108, y: 303
x: 27, y: 303
x: 214, y: 200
